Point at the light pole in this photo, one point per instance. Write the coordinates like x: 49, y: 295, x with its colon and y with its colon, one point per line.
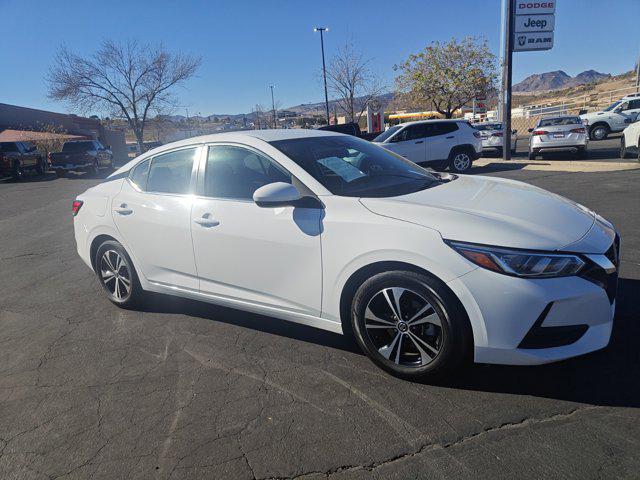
x: 638, y: 75
x: 273, y: 106
x: 324, y: 68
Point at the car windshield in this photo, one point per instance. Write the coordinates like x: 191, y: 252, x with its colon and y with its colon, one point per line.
x: 487, y: 126
x: 387, y: 133
x: 612, y: 106
x: 77, y: 146
x: 351, y: 167
x: 550, y: 122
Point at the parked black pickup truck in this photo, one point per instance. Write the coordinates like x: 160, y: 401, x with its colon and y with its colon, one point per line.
x: 81, y: 155
x: 18, y: 157
x: 350, y: 129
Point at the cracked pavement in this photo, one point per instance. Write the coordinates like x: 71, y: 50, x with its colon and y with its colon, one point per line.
x: 183, y: 389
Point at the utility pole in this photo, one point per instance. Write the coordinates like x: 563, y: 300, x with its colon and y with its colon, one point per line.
x: 506, y: 82
x: 503, y: 8
x: 273, y: 106
x: 324, y: 68
x: 638, y: 75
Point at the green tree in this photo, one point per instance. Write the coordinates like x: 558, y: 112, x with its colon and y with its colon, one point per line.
x: 447, y: 76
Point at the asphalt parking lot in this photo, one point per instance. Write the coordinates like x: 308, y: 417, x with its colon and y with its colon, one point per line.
x: 183, y: 389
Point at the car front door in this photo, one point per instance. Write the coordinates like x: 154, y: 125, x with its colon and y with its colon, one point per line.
x: 410, y: 143
x: 152, y: 212
x: 29, y: 157
x: 265, y: 256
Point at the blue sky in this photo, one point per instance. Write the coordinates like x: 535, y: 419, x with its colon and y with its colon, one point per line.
x: 246, y: 45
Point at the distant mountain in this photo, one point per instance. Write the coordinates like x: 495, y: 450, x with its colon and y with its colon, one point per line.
x: 556, y: 80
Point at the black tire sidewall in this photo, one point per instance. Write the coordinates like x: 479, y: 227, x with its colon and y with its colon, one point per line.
x: 136, y: 291
x: 456, y: 332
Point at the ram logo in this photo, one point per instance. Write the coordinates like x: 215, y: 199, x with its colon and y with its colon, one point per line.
x: 522, y: 40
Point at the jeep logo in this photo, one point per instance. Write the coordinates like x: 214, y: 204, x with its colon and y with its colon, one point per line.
x: 539, y: 24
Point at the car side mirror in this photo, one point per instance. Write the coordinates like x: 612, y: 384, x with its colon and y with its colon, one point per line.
x: 277, y: 194
x: 530, y: 130
x: 107, y: 147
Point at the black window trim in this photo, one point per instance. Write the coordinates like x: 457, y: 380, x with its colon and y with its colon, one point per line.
x: 194, y: 170
x: 199, y: 190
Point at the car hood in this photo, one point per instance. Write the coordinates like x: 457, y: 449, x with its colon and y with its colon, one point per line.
x: 593, y: 115
x: 491, y: 211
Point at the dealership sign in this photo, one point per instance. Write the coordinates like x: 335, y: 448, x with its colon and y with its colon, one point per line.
x: 534, y: 25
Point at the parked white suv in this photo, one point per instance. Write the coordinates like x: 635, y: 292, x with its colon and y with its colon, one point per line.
x: 615, y: 118
x: 440, y: 143
x: 630, y: 141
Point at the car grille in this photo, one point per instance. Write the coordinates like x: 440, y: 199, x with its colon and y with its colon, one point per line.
x: 596, y: 274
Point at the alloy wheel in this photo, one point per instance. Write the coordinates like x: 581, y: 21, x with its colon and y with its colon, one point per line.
x: 116, y: 275
x: 404, y: 327
x: 599, y: 133
x: 461, y: 162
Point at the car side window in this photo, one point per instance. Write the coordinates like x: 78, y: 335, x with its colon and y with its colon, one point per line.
x: 171, y: 172
x: 139, y: 174
x: 634, y: 105
x: 236, y: 172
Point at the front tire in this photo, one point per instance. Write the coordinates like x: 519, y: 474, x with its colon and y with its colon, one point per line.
x: 410, y: 325
x: 624, y: 153
x: 117, y: 275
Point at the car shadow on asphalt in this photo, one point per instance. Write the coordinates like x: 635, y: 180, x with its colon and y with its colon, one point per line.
x: 608, y: 377
x: 157, y: 303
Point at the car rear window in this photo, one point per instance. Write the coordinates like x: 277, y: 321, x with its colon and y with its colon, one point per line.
x: 550, y: 122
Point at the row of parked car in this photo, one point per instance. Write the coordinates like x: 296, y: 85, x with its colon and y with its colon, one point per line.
x: 18, y: 158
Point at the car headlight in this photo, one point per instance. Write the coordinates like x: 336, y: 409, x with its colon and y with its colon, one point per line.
x: 520, y: 263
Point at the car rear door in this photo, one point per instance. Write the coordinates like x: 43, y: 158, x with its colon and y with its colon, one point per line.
x: 441, y: 138
x: 265, y: 256
x: 153, y: 215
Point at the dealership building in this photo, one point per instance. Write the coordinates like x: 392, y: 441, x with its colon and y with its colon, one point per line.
x: 28, y: 124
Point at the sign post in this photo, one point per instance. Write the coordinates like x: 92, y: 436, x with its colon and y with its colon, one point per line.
x: 530, y: 27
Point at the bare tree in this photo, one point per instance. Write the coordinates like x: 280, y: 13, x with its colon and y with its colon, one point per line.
x: 352, y: 82
x: 128, y: 80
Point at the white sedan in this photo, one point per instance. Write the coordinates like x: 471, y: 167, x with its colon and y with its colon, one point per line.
x: 492, y: 136
x: 328, y: 230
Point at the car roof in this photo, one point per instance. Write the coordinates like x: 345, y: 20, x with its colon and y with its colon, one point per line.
x: 434, y: 120
x: 548, y: 117
x: 631, y: 96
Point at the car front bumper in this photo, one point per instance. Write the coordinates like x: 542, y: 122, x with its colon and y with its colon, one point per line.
x: 519, y: 321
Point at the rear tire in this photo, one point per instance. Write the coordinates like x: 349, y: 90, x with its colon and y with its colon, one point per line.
x: 117, y: 275
x: 425, y: 338
x: 460, y: 160
x: 581, y: 153
x: 533, y: 154
x: 599, y: 131
x: 60, y: 173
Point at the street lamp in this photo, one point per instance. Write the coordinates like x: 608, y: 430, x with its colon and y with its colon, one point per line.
x: 273, y: 106
x: 324, y: 68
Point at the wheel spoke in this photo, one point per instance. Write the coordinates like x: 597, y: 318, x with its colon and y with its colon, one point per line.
x: 369, y: 315
x: 399, y: 349
x: 107, y: 260
x: 116, y: 291
x: 417, y: 339
x: 395, y: 312
x: 420, y: 313
x: 433, y: 318
x: 387, y: 349
x: 107, y: 276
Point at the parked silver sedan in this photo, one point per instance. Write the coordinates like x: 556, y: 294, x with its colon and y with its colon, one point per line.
x: 492, y: 136
x: 562, y: 132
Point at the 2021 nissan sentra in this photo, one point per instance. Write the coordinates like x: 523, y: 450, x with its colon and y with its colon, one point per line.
x: 334, y: 232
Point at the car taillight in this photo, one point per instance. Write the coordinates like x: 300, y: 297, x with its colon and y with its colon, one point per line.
x: 540, y: 132
x: 578, y: 130
x: 497, y: 134
x: 476, y: 134
x: 75, y: 207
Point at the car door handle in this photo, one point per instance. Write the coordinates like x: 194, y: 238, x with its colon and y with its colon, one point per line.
x: 451, y: 136
x: 123, y: 209
x: 420, y: 141
x: 207, y: 221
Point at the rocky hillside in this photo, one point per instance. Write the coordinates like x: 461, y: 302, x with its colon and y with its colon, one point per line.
x: 558, y: 79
